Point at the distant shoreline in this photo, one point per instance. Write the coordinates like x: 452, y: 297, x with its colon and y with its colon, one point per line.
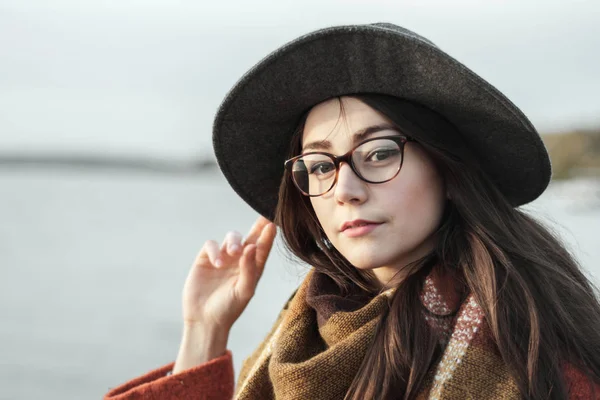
x: 108, y: 162
x: 573, y: 154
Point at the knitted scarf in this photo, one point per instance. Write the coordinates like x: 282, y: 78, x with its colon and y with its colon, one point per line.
x: 320, y: 338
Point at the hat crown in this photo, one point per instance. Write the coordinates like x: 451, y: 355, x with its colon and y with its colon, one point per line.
x: 255, y: 122
x: 403, y: 31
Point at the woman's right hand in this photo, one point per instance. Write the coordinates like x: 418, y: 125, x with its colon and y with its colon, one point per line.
x: 223, y: 278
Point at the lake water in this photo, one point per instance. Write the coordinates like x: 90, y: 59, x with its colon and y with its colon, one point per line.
x: 93, y: 262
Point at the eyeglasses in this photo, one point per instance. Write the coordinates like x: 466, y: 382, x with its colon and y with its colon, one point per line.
x: 375, y: 160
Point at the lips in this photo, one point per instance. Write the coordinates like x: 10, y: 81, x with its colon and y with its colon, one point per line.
x: 357, y: 223
x: 359, y: 228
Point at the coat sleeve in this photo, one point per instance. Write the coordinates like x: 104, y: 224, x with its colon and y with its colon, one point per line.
x: 580, y: 386
x: 213, y: 380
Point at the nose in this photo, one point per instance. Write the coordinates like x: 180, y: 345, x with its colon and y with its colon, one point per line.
x: 349, y: 187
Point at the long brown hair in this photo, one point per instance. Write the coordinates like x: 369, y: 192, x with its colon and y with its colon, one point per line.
x: 540, y: 307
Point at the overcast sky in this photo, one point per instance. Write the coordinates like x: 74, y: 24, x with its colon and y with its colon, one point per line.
x: 146, y: 77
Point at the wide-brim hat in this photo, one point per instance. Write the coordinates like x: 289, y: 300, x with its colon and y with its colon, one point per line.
x: 254, y: 123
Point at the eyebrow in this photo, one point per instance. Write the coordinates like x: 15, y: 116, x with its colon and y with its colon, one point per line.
x: 358, y: 136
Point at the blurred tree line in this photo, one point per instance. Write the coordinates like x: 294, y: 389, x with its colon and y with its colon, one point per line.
x: 575, y: 153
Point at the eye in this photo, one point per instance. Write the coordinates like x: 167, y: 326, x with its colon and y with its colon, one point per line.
x: 381, y: 154
x: 321, y: 168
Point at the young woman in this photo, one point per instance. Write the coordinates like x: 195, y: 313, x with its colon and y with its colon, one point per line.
x: 396, y: 173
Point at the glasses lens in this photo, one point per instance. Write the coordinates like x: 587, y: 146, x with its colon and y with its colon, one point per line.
x: 314, y: 173
x: 378, y: 160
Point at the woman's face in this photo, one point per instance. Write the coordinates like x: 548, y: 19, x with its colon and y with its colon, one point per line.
x: 407, y: 210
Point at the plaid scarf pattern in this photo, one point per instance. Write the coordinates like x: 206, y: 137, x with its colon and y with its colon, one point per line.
x: 320, y: 338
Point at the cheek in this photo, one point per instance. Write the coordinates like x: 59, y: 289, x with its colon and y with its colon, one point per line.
x: 422, y: 202
x: 427, y: 203
x: 317, y: 206
x: 417, y: 198
x: 321, y: 211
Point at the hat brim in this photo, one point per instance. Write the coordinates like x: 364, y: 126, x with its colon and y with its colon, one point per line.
x: 254, y: 124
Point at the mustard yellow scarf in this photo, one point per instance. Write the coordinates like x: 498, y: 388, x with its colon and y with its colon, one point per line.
x: 320, y: 338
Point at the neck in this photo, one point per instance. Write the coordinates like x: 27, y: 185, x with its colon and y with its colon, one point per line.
x: 389, y: 277
x: 393, y: 275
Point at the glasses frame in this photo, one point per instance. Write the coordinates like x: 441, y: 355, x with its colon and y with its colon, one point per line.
x: 347, y: 158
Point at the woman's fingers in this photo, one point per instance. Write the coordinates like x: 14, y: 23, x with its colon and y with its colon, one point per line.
x: 256, y: 230
x: 209, y: 252
x: 264, y: 245
x: 254, y: 257
x: 248, y: 277
x: 233, y: 247
x: 232, y: 244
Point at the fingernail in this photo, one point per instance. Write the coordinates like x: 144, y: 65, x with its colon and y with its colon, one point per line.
x: 218, y: 262
x: 234, y: 248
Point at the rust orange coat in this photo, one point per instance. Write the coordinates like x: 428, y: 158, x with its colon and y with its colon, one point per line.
x: 214, y: 380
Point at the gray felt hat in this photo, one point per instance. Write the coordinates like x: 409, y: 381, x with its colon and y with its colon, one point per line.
x: 254, y: 124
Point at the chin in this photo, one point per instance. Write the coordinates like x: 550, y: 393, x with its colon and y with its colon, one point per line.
x: 365, y: 262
